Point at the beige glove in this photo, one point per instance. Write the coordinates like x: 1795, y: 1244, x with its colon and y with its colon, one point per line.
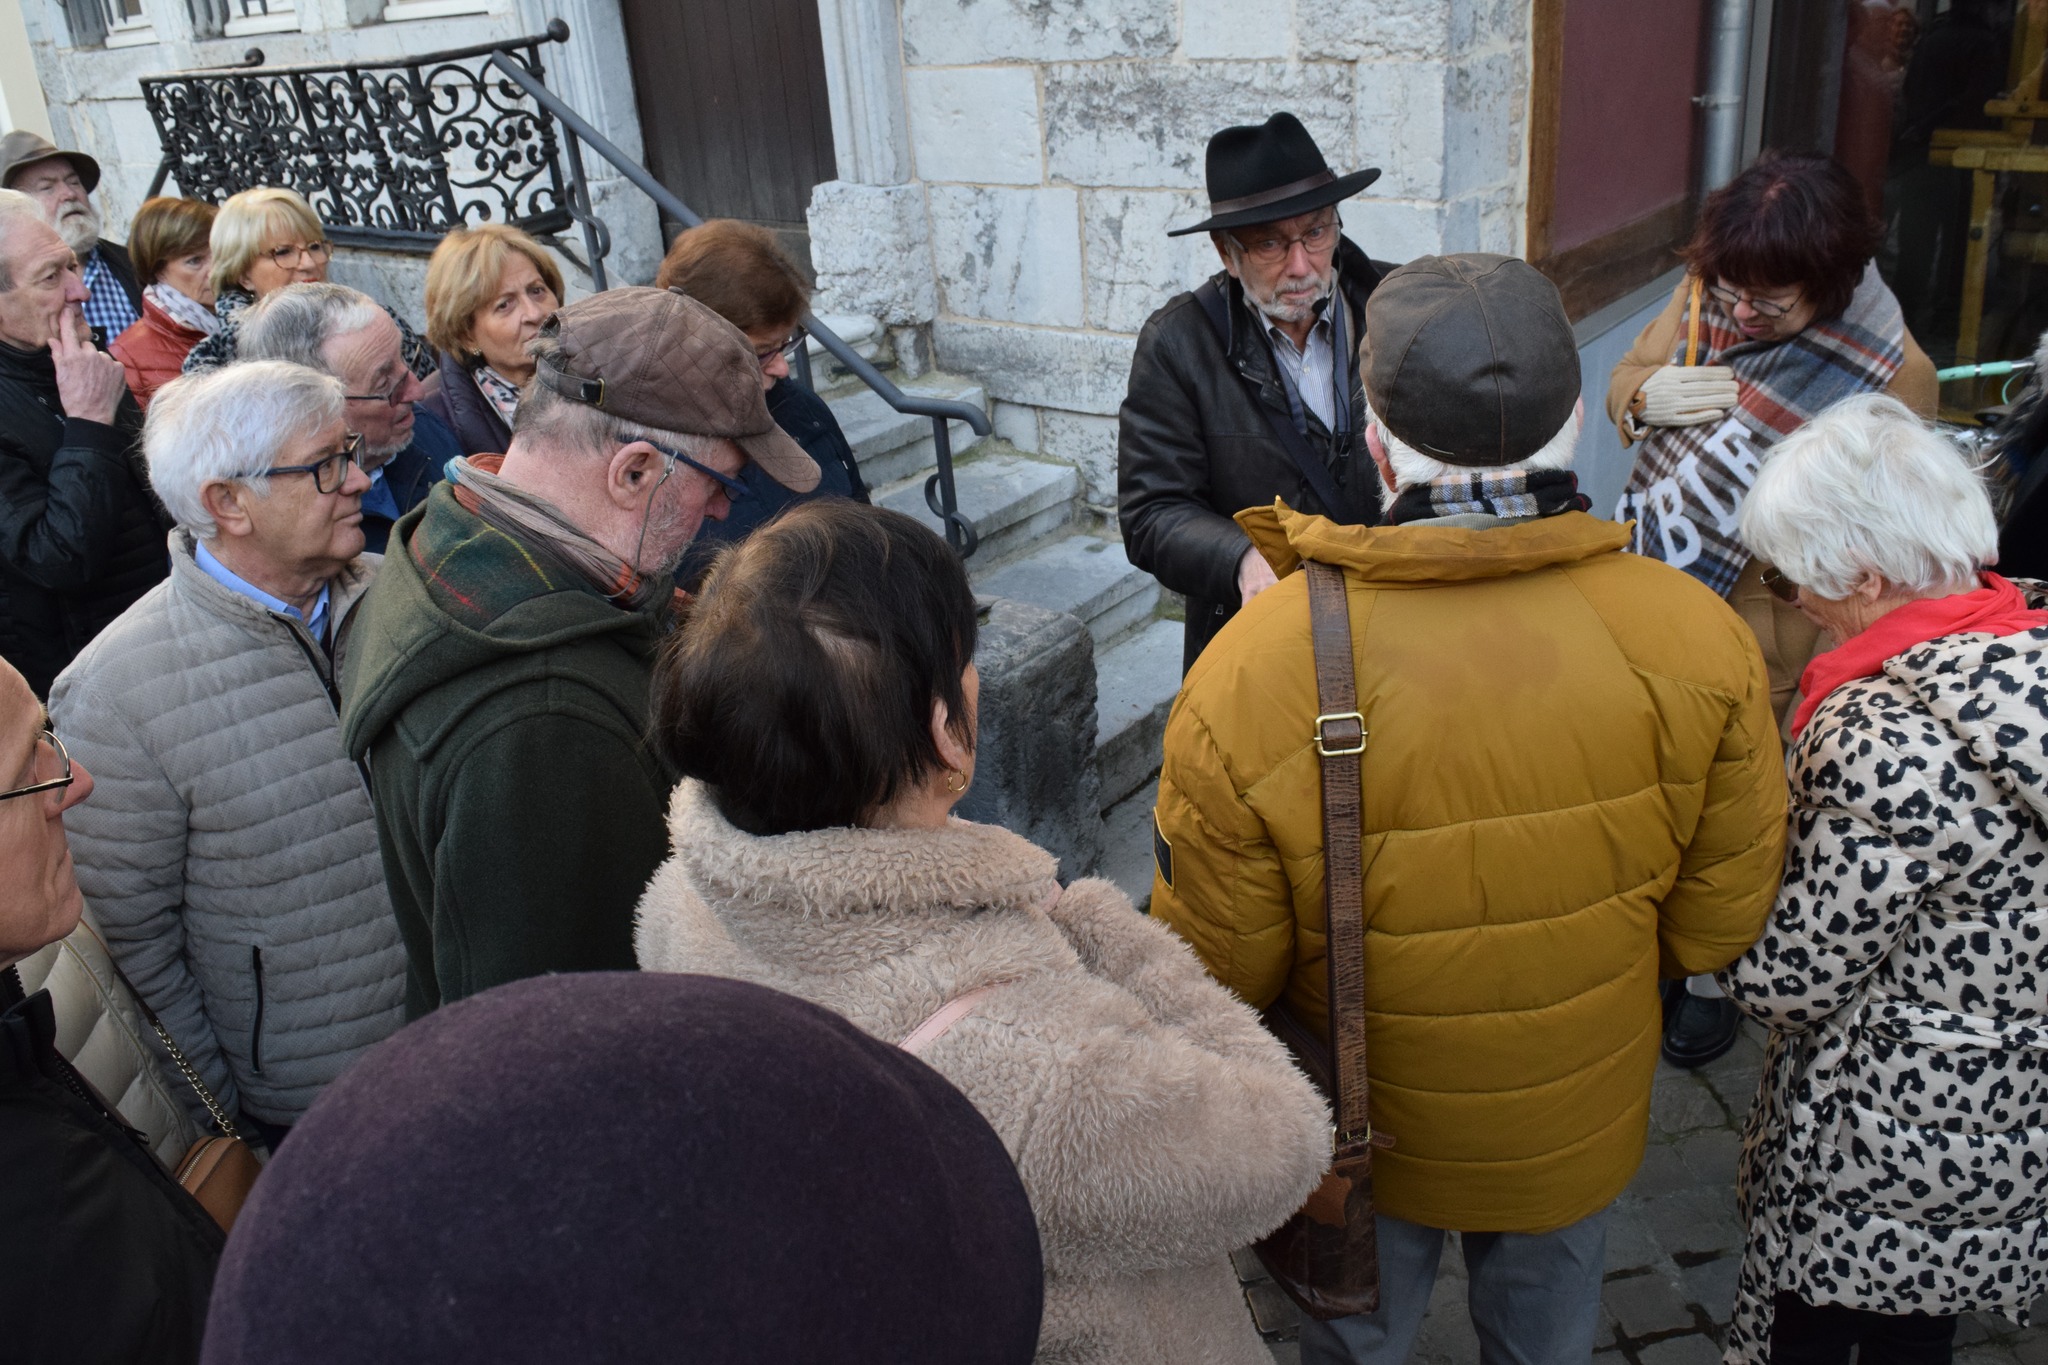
x: 1686, y: 395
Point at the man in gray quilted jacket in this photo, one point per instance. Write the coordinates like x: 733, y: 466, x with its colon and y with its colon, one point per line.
x: 231, y: 856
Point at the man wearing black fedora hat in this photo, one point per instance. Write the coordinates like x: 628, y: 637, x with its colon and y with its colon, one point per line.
x: 1244, y: 390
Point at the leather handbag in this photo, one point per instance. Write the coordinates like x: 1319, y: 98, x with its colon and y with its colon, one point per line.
x: 220, y: 1168
x: 1326, y: 1257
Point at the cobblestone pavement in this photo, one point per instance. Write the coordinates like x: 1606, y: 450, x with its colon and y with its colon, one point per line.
x: 1673, y: 1244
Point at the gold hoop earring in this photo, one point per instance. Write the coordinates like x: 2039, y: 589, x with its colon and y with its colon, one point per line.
x: 952, y: 773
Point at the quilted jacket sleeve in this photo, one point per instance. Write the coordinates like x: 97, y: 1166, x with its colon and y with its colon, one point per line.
x: 1729, y: 871
x: 128, y: 843
x: 1217, y: 877
x: 1852, y: 880
x: 58, y: 532
x: 1170, y: 528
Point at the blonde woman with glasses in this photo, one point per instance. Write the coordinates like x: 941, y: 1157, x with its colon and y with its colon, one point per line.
x: 264, y: 239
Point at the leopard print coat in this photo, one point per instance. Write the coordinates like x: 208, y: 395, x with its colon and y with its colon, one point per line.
x: 1896, y: 1158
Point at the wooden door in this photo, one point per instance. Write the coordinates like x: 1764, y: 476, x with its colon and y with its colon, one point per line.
x: 732, y: 100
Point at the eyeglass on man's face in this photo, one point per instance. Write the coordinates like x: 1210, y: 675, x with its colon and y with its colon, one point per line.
x: 1763, y: 308
x: 734, y: 489
x: 787, y: 350
x: 1266, y: 246
x: 328, y: 474
x: 59, y: 762
x: 287, y: 257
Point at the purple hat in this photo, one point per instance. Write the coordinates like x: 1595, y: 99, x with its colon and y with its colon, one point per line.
x: 615, y: 1167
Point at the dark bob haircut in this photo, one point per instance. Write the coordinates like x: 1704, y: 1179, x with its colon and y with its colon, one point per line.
x: 801, y: 688
x: 1786, y: 221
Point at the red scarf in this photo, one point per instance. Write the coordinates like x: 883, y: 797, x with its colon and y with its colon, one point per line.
x: 1997, y: 608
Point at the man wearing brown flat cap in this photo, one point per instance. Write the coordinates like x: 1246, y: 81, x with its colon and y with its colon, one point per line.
x: 496, y: 678
x: 1563, y: 783
x: 62, y: 184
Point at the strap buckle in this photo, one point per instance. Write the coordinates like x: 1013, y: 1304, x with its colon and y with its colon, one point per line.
x: 1339, y: 742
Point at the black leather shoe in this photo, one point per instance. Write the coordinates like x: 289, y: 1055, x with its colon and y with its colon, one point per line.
x: 1699, y: 1030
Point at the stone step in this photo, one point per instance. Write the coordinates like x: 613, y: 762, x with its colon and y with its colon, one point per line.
x: 891, y: 445
x: 1127, y: 843
x: 1081, y: 574
x: 1012, y: 501
x: 1135, y: 683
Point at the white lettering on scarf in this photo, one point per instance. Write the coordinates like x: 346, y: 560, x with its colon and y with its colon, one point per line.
x: 1735, y: 451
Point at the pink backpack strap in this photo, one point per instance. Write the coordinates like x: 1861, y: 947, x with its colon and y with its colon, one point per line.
x: 942, y: 1019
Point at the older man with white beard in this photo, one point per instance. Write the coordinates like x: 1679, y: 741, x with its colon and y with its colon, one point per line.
x: 61, y: 182
x: 1244, y: 390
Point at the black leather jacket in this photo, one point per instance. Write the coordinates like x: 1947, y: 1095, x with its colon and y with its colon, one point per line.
x: 81, y: 536
x: 1194, y: 447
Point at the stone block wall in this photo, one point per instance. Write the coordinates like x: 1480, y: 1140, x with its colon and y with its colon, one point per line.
x: 1050, y: 144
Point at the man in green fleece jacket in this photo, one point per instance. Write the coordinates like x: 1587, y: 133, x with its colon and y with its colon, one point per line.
x: 497, y: 678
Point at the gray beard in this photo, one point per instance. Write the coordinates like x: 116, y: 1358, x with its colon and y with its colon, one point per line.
x: 80, y: 229
x: 1293, y: 312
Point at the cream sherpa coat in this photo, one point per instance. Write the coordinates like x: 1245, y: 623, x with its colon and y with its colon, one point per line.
x: 1155, y: 1123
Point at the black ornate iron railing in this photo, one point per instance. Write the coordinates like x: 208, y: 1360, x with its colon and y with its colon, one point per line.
x: 395, y: 154
x: 389, y: 154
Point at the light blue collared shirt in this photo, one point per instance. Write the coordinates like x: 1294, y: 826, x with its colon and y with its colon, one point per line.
x: 378, y: 499
x: 316, y: 625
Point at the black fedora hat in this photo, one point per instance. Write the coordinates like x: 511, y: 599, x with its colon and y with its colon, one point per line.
x: 1265, y: 172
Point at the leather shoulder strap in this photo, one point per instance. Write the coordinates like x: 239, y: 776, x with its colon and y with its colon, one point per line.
x: 1340, y: 741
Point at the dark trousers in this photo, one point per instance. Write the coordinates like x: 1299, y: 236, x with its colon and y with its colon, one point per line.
x: 1807, y: 1335
x: 271, y: 1135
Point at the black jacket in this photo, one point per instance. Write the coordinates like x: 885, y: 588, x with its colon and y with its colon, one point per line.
x: 80, y: 535
x: 1194, y: 447
x: 809, y: 421
x: 105, y: 1261
x: 462, y: 407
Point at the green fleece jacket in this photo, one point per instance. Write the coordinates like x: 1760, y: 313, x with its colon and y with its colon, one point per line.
x: 502, y: 707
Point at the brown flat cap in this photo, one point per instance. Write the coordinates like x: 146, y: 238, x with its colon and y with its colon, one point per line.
x: 1470, y: 358
x: 660, y: 358
x: 20, y: 149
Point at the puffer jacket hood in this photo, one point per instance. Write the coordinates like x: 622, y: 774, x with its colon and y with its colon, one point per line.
x: 407, y: 642
x: 1571, y: 787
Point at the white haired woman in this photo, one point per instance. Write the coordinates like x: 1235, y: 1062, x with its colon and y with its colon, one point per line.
x: 1892, y: 1167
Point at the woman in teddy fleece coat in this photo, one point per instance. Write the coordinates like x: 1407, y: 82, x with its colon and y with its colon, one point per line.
x: 821, y: 705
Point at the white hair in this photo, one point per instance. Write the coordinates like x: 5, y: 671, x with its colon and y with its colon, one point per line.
x: 1411, y: 466
x: 295, y: 323
x: 16, y: 208
x: 222, y: 424
x: 1868, y: 488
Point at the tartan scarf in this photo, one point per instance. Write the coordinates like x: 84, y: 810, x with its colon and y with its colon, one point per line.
x: 1510, y: 494
x: 1686, y: 490
x: 537, y: 524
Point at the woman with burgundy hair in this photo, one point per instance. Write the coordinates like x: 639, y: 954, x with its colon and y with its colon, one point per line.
x: 1780, y: 315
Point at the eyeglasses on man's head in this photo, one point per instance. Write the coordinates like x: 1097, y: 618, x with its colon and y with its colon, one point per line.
x: 734, y: 489
x: 1266, y: 246
x: 46, y: 743
x: 328, y: 474
x: 787, y: 350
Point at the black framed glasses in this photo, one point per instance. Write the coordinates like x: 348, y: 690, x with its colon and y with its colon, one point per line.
x: 1268, y: 246
x: 1781, y: 587
x: 1763, y: 308
x: 734, y: 489
x: 64, y: 778
x: 328, y: 474
x: 787, y: 350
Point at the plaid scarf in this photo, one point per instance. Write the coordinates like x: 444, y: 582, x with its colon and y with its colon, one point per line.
x: 1510, y: 494
x: 1687, y: 487
x: 536, y: 524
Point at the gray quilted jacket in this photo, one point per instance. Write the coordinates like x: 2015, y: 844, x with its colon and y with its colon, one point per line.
x: 228, y: 850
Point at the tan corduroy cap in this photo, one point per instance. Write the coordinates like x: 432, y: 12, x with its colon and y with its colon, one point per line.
x: 660, y: 358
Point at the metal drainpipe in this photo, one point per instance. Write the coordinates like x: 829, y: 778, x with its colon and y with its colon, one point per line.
x: 1727, y: 83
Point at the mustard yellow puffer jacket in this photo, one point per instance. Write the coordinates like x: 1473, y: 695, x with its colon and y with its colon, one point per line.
x: 1572, y: 784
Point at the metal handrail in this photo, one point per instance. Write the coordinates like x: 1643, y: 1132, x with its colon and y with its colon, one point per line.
x: 504, y: 56
x: 939, y: 492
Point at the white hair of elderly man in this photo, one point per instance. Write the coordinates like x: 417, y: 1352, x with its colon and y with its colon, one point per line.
x: 224, y: 424
x: 1412, y: 467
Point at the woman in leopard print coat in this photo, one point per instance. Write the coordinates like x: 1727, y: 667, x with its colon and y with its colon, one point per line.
x: 1895, y: 1165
